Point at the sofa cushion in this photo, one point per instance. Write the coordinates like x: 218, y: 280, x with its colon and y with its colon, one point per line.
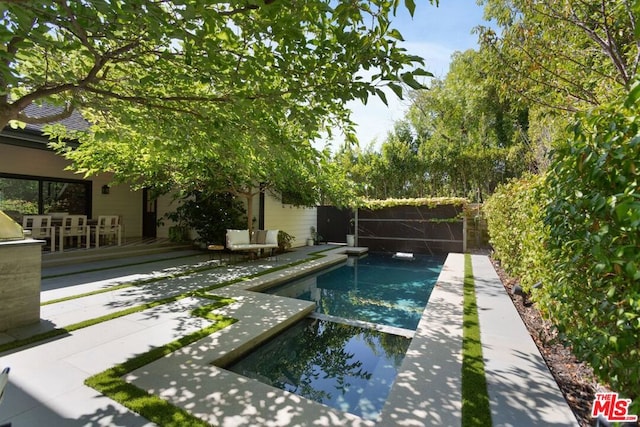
x: 238, y: 237
x: 272, y: 237
x: 259, y: 237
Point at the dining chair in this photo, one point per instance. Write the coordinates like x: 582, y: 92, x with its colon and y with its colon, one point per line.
x: 109, y: 229
x: 41, y: 228
x: 74, y: 226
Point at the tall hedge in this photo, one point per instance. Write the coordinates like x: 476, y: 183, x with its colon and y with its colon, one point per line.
x: 594, y: 220
x: 515, y: 214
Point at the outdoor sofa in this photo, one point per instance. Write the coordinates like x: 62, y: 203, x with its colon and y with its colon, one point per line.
x: 256, y: 241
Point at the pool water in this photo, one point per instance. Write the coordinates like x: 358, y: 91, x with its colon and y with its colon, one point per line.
x: 346, y: 367
x: 328, y: 357
x: 377, y: 289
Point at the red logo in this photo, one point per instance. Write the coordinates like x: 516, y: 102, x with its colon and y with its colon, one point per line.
x: 611, y: 408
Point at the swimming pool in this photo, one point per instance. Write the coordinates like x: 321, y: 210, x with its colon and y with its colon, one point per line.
x: 328, y: 357
x: 376, y: 288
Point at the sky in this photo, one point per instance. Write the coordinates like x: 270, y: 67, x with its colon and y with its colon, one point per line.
x: 434, y: 33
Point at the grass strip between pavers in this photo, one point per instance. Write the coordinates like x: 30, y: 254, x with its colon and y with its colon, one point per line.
x: 475, y: 398
x: 90, y: 322
x: 150, y: 406
x: 54, y: 333
x: 142, y: 282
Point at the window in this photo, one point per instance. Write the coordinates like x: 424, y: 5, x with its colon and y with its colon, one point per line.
x: 62, y: 196
x: 21, y: 195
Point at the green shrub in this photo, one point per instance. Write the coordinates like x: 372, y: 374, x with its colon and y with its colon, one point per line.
x: 210, y: 215
x: 284, y: 241
x: 515, y: 214
x: 594, y: 219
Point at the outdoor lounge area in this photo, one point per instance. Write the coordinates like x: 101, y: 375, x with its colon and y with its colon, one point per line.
x: 252, y: 241
x: 46, y: 385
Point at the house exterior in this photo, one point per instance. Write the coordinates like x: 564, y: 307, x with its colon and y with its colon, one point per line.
x: 34, y: 180
x: 295, y: 220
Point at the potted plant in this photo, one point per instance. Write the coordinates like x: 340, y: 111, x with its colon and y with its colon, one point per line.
x: 312, y: 240
x: 284, y: 241
x: 351, y: 238
x: 315, y: 239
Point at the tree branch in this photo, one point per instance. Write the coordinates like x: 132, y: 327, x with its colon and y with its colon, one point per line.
x: 79, y: 32
x: 609, y: 49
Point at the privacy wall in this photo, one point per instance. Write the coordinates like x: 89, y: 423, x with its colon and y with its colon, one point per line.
x: 415, y: 229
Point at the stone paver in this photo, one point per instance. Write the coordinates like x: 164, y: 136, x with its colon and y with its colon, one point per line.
x: 428, y: 389
x: 521, y: 389
x: 46, y: 382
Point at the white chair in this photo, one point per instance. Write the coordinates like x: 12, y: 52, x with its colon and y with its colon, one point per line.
x: 41, y: 228
x: 109, y: 228
x: 57, y: 215
x: 74, y: 226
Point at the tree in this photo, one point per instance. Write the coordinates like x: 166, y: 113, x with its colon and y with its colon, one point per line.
x: 169, y: 151
x: 301, y: 57
x: 471, y: 137
x: 565, y: 55
x: 195, y: 95
x: 459, y: 138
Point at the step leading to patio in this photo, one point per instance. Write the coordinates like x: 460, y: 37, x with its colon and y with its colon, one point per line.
x: 133, y: 248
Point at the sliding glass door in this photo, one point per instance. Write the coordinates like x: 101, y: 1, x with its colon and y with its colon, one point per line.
x: 24, y: 195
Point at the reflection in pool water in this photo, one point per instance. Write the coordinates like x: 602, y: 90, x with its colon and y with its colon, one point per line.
x: 342, y: 366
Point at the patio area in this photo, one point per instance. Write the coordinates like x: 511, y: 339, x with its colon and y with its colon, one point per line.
x: 47, y: 378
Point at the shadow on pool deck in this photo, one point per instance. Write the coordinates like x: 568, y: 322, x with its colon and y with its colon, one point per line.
x: 46, y: 384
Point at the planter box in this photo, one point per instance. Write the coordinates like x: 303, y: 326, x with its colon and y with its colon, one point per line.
x: 20, y: 264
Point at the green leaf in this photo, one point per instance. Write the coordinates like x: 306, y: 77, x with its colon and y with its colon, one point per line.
x: 412, y: 82
x: 382, y: 96
x: 422, y: 72
x: 411, y: 6
x: 394, y: 33
x: 634, y: 95
x: 397, y: 89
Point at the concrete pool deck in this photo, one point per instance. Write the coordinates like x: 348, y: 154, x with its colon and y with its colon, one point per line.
x: 46, y: 381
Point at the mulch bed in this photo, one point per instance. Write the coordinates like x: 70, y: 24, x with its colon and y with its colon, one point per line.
x: 575, y: 378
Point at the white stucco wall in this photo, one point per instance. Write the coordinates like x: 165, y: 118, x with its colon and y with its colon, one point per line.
x: 294, y: 220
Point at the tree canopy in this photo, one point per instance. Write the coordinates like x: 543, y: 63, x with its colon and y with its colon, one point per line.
x: 459, y: 138
x: 196, y: 94
x: 565, y: 55
x: 180, y: 54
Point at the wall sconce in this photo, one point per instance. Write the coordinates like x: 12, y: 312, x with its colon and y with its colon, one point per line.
x: 105, y: 189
